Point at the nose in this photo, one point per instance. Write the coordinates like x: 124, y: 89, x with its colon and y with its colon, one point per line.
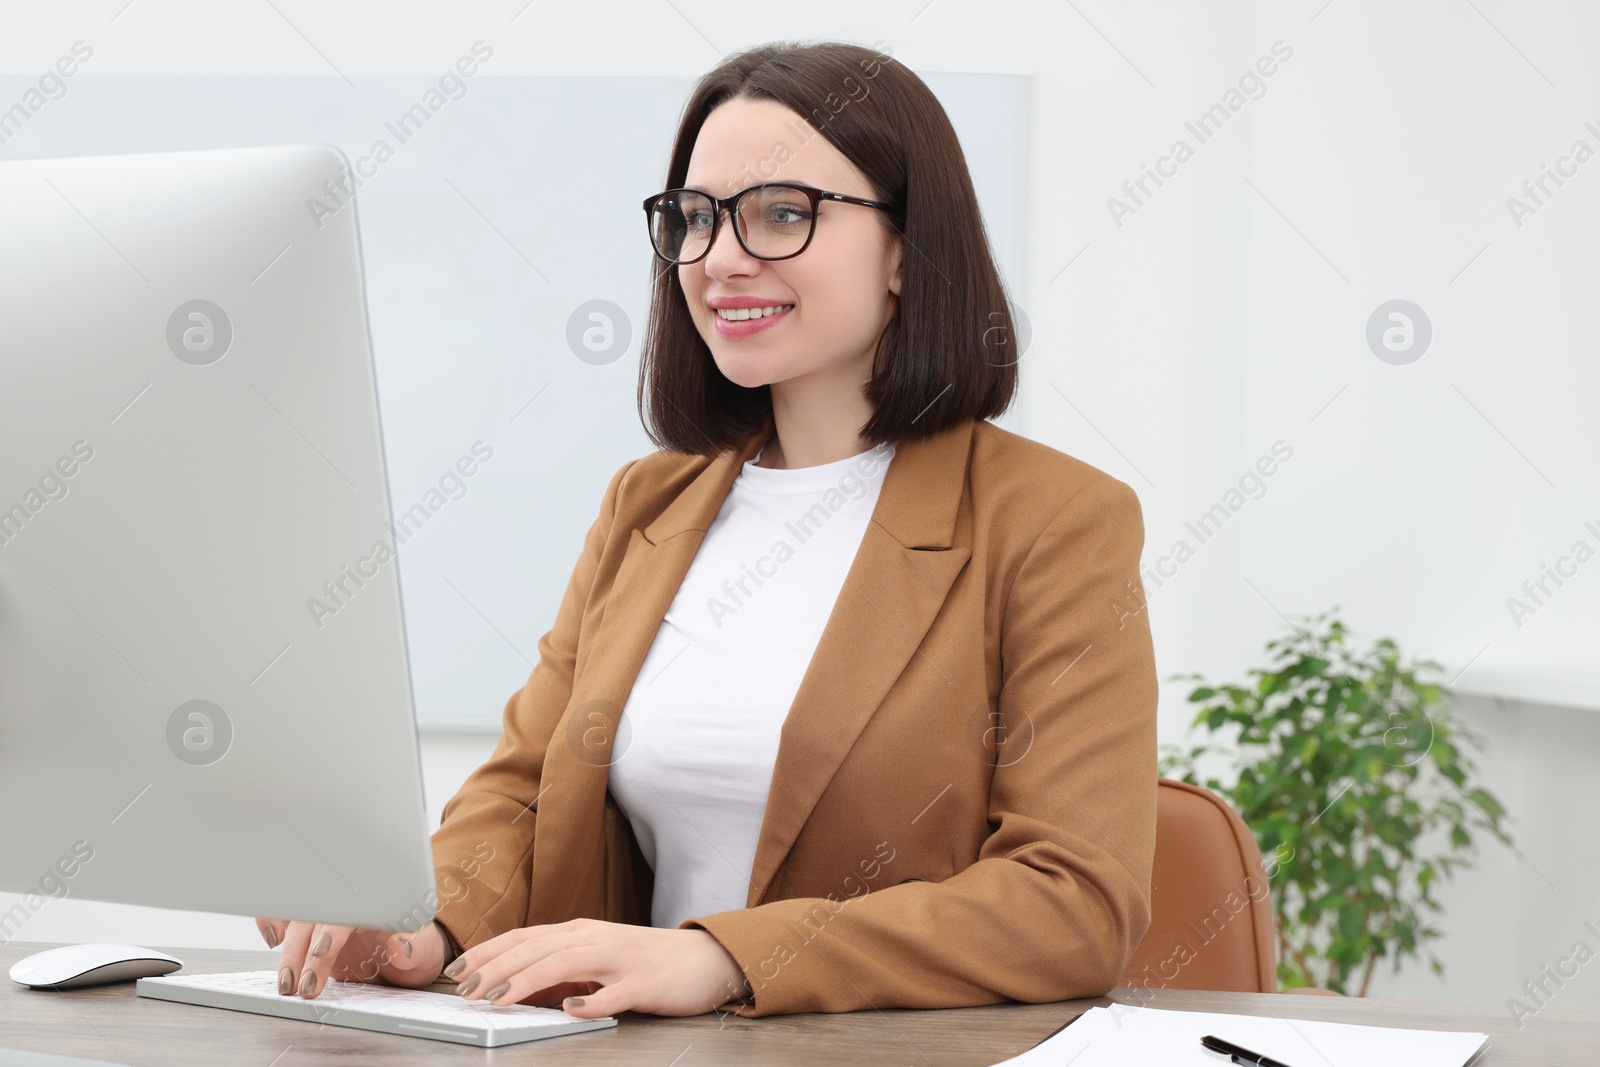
x: 725, y: 244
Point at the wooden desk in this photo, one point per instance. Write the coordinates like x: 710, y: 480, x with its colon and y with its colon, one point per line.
x: 113, y: 1023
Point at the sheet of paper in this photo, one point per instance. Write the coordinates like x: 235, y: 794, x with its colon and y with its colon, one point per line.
x: 1133, y: 1035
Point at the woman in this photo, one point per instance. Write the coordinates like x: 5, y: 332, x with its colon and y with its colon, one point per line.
x: 850, y: 701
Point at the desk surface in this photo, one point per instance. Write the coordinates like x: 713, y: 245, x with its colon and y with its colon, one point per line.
x: 112, y: 1023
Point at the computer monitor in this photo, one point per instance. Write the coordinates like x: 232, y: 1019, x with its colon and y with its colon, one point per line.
x: 204, y: 695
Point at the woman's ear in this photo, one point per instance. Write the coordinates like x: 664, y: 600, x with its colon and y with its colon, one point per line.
x: 896, y: 274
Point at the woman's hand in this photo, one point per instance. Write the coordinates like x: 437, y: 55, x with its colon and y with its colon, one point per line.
x: 592, y: 968
x: 314, y: 952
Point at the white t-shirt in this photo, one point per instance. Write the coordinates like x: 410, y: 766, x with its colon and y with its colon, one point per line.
x: 702, y: 724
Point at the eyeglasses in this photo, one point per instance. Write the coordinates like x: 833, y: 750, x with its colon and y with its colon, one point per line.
x: 683, y: 222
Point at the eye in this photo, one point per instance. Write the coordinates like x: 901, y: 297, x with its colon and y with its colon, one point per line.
x: 788, y: 215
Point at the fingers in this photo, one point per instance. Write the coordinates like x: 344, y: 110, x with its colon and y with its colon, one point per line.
x: 325, y: 943
x: 519, y: 961
x: 524, y: 945
x: 606, y: 1000
x: 292, y: 956
x: 529, y: 968
x: 409, y: 959
x: 363, y: 957
x: 470, y: 960
x: 548, y: 998
x: 271, y: 931
x: 312, y: 954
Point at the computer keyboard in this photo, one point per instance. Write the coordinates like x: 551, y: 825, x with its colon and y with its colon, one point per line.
x: 385, y: 1009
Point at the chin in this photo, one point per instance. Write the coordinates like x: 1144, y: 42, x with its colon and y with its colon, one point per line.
x: 751, y: 381
x: 748, y: 373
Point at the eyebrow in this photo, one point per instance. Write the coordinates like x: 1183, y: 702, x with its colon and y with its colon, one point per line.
x: 792, y: 181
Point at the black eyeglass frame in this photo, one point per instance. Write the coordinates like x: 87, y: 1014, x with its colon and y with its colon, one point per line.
x: 730, y: 204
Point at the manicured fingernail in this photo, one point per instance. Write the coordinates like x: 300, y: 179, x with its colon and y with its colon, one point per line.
x: 455, y: 969
x: 405, y: 944
x: 498, y: 991
x: 286, y: 981
x: 308, y: 983
x: 324, y: 943
x: 271, y: 934
x: 574, y: 1002
x: 469, y: 985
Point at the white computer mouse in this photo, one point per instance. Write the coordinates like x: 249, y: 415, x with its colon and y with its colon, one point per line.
x: 71, y: 966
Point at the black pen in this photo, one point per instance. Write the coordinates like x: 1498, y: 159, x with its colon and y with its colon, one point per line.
x: 1240, y: 1055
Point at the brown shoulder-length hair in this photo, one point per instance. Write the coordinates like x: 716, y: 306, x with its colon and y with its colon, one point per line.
x: 949, y: 351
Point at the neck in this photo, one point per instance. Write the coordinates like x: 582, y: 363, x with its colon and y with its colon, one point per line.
x: 816, y: 422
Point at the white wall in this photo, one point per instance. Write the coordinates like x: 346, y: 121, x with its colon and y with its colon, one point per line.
x: 1227, y: 312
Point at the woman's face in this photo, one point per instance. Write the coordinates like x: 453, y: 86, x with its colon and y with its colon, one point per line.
x: 844, y: 287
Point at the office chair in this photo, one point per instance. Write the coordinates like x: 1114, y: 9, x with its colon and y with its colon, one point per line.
x: 1211, y: 920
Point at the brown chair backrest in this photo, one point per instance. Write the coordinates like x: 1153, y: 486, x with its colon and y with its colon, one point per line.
x: 1211, y: 923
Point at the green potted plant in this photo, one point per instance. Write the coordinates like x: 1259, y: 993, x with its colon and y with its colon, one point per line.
x: 1347, y: 761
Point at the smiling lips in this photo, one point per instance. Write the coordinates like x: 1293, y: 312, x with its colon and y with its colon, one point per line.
x: 742, y: 316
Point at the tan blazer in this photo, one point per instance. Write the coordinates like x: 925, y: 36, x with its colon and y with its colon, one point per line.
x: 963, y: 807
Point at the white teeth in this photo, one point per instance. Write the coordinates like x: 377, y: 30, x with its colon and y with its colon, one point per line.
x: 739, y: 314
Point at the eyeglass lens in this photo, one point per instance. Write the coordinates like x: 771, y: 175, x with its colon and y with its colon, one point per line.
x: 774, y: 221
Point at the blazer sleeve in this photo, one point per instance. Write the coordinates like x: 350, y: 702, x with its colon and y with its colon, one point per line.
x: 483, y: 849
x: 1059, y: 897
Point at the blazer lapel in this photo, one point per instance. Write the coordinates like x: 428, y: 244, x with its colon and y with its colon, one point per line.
x: 898, y: 581
x: 894, y: 588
